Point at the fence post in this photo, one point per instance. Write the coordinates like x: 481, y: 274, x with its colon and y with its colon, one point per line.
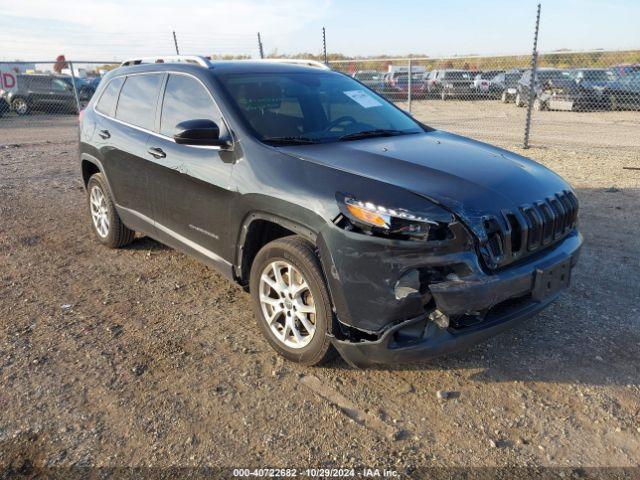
x: 534, y: 70
x: 409, y: 86
x: 73, y: 85
x: 260, y: 46
x: 175, y: 42
x: 324, y: 46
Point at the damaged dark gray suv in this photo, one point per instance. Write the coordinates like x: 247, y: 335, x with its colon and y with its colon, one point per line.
x: 354, y: 227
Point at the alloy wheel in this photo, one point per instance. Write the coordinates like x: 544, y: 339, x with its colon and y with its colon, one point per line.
x: 99, y: 211
x: 287, y: 304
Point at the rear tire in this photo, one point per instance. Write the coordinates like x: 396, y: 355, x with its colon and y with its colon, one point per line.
x: 443, y: 96
x: 287, y: 284
x: 105, y: 221
x: 613, y: 103
x: 20, y: 106
x: 504, y: 97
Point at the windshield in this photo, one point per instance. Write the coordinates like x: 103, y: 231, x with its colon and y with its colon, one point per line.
x: 595, y: 75
x: 459, y: 75
x: 552, y: 75
x: 312, y: 107
x: 366, y: 76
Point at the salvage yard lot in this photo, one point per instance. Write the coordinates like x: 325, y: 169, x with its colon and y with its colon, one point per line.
x: 143, y: 357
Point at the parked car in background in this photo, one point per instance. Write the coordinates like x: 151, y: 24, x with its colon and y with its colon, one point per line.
x: 83, y: 87
x: 482, y: 81
x: 543, y: 75
x: 568, y: 94
x: 371, y: 78
x: 50, y: 93
x: 503, y: 85
x: 624, y: 94
x: 451, y: 83
x: 620, y: 71
x: 396, y: 84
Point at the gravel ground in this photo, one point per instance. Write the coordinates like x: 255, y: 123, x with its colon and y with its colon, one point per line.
x: 143, y: 357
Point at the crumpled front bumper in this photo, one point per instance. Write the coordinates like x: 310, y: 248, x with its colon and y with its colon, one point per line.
x: 362, y: 273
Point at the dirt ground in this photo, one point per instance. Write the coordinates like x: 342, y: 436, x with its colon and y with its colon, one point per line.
x: 143, y: 357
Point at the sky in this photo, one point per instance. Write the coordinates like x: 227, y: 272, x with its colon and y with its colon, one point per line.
x: 118, y: 29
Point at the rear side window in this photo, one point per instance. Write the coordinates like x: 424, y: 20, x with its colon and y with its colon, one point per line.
x: 137, y: 102
x: 109, y: 98
x: 185, y: 99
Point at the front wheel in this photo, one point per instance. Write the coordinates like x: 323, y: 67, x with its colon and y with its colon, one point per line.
x: 443, y: 96
x: 519, y: 102
x: 539, y: 105
x: 613, y: 103
x: 291, y: 301
x: 504, y: 97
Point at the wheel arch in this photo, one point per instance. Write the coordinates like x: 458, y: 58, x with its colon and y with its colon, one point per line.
x: 90, y: 165
x: 258, y: 229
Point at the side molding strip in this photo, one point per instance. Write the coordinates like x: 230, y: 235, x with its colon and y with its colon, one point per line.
x: 184, y: 240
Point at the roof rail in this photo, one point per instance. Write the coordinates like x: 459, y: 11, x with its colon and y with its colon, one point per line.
x: 297, y: 61
x: 193, y: 59
x: 205, y: 62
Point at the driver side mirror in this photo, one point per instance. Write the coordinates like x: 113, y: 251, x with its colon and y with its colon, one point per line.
x: 199, y: 132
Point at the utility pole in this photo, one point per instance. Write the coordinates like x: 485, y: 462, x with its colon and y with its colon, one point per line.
x: 532, y: 82
x: 175, y: 41
x: 260, y: 46
x: 324, y: 45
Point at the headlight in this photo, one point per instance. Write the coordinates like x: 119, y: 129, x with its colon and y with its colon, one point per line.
x: 391, y: 222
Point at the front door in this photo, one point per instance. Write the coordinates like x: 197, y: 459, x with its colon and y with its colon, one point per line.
x: 191, y: 184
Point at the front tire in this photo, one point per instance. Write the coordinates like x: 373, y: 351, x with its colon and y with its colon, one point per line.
x: 504, y: 97
x: 107, y: 225
x: 291, y: 301
x: 518, y: 101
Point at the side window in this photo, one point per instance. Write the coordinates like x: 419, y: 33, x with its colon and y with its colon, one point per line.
x: 109, y: 97
x: 186, y: 99
x: 60, y: 85
x: 138, y: 97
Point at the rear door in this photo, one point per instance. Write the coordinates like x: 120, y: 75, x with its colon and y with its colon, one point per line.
x: 123, y: 130
x: 191, y: 184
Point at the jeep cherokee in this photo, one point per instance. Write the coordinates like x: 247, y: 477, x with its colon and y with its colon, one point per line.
x: 354, y: 227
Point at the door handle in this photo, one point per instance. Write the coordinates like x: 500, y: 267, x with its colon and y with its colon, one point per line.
x: 104, y: 134
x: 157, y: 152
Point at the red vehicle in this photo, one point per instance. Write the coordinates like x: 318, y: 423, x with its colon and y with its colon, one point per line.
x: 396, y: 84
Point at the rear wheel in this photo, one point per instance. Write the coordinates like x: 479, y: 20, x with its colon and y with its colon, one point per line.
x: 613, y: 103
x: 291, y: 301
x: 20, y: 106
x: 504, y: 97
x: 107, y: 225
x: 443, y: 96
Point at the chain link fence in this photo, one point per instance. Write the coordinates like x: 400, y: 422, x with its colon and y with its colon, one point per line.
x: 487, y: 97
x: 47, y: 93
x: 481, y: 97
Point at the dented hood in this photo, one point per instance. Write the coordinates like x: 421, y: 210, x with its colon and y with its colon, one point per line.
x: 469, y: 178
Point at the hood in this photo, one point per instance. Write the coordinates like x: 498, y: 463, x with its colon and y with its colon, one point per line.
x: 469, y: 178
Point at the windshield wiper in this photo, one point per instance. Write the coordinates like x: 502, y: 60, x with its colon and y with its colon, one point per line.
x: 290, y: 140
x: 379, y: 132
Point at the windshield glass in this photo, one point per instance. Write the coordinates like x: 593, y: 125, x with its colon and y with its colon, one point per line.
x: 595, y: 75
x: 552, y: 75
x: 312, y: 107
x: 459, y: 75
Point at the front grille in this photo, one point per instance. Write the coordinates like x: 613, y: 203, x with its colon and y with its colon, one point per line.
x: 529, y: 228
